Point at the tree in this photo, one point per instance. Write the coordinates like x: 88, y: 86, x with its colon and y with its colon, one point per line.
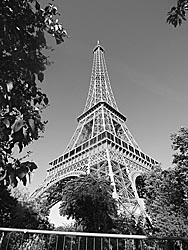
x: 88, y: 199
x: 180, y: 161
x: 22, y: 64
x: 166, y: 191
x: 180, y: 146
x: 164, y: 203
x: 7, y: 206
x: 19, y: 212
x: 177, y: 14
x: 84, y: 198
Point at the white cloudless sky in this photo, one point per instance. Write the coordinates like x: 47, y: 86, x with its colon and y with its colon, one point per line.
x: 58, y: 220
x: 147, y: 62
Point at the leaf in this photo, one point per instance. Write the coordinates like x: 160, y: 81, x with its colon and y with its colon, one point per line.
x: 46, y: 101
x: 20, y: 145
x: 32, y: 124
x: 29, y: 175
x: 40, y: 99
x: 18, y: 124
x: 40, y: 76
x: 37, y: 6
x: 29, y: 164
x: 24, y: 180
x: 35, y: 101
x: 32, y: 166
x: 18, y: 136
x: 24, y: 169
x: 6, y: 122
x: 58, y: 39
x: 3, y: 174
x: 12, y: 179
x: 173, y: 9
x: 9, y: 86
x: 5, y: 132
x: 25, y: 132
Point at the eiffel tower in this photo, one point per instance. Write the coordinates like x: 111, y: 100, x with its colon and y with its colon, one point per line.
x: 102, y: 143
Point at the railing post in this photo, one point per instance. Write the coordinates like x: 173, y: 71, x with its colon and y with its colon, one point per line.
x: 1, y: 239
x: 56, y: 244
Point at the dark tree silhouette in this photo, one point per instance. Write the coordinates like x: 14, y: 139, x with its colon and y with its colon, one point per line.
x: 22, y: 64
x: 88, y: 199
x: 166, y: 191
x: 177, y: 14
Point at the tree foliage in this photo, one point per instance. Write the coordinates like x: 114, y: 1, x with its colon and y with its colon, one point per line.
x: 164, y: 203
x: 88, y: 199
x: 166, y: 191
x: 7, y: 206
x: 180, y: 146
x: 17, y: 211
x: 22, y: 64
x: 54, y: 193
x: 177, y: 14
x: 180, y: 161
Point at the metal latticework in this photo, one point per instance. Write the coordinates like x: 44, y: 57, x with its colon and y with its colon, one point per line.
x: 100, y: 89
x: 102, y: 143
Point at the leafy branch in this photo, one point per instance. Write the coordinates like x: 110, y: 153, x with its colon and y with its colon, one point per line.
x: 22, y: 65
x: 177, y: 14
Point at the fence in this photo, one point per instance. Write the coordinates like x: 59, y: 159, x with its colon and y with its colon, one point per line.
x: 20, y: 239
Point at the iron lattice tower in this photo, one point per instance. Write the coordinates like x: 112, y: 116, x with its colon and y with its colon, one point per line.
x: 102, y: 143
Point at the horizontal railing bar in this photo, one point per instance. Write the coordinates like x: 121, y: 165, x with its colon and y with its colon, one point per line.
x: 105, y: 235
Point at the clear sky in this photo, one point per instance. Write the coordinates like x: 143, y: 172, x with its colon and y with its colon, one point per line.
x: 147, y: 63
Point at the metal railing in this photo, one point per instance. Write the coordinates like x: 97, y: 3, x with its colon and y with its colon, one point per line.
x: 25, y: 239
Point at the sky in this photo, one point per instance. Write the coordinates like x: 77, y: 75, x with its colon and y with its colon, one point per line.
x: 147, y: 62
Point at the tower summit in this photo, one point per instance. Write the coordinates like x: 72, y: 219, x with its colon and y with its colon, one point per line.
x: 100, y: 89
x: 102, y: 143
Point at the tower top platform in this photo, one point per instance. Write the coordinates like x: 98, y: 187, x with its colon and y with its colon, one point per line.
x: 98, y: 46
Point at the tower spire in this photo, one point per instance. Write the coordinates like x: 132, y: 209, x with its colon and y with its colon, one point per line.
x: 100, y: 89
